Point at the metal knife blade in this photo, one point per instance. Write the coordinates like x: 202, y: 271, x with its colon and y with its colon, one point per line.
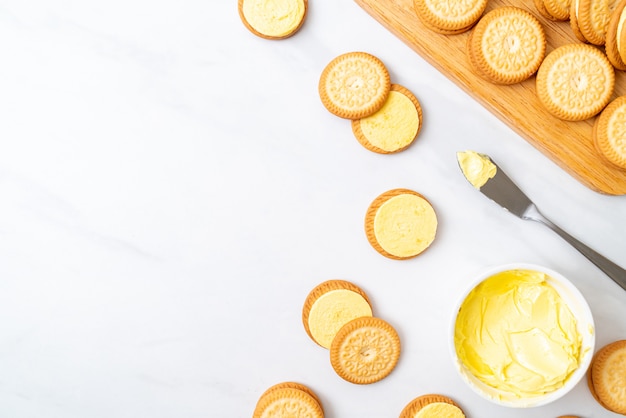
x: 485, y: 175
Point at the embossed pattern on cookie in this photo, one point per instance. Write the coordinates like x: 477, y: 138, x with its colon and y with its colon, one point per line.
x: 365, y: 350
x: 507, y: 45
x: 607, y: 376
x: 354, y: 85
x: 575, y: 82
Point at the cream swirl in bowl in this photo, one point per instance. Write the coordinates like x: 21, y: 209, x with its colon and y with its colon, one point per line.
x: 522, y: 336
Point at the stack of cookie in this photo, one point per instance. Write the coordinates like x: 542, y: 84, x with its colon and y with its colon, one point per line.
x: 386, y: 118
x: 337, y: 315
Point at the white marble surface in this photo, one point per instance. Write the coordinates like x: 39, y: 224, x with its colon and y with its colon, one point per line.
x: 171, y: 188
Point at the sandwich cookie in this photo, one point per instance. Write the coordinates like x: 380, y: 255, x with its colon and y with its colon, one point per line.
x: 609, y: 133
x: 589, y: 20
x: 558, y: 9
x: 273, y: 19
x: 365, y: 350
x: 615, y: 46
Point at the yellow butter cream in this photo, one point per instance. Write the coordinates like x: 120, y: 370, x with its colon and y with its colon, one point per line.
x: 394, y: 126
x: 334, y: 309
x: 516, y: 334
x: 274, y: 17
x: 440, y: 410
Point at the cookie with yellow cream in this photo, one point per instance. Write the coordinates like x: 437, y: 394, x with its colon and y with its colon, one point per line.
x: 273, y: 19
x: 365, y: 350
x: 394, y: 126
x: 400, y: 224
x: 607, y: 376
x: 329, y: 306
x: 432, y: 406
x: 354, y: 85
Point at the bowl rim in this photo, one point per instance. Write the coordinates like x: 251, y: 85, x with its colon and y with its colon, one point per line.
x: 586, y: 327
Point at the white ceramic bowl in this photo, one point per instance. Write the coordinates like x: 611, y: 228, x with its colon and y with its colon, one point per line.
x: 579, y: 308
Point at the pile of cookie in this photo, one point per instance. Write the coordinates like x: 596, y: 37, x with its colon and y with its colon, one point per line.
x: 574, y: 82
x: 337, y: 315
x: 386, y: 118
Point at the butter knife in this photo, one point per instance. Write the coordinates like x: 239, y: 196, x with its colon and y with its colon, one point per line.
x: 486, y: 176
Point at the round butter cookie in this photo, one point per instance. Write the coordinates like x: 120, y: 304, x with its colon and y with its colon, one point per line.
x: 615, y: 46
x: 354, y: 85
x: 573, y: 21
x: 575, y: 82
x: 449, y: 17
x: 592, y: 18
x: 365, y: 350
x: 394, y: 126
x: 507, y: 45
x: 609, y: 132
x: 558, y: 9
x: 432, y: 406
x: 607, y: 377
x: 329, y: 306
x: 273, y: 19
x: 287, y: 401
x: 400, y: 224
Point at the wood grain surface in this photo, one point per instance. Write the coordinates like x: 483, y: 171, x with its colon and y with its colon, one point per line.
x: 568, y: 144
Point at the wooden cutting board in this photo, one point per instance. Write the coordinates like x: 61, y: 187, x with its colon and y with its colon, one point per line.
x: 568, y: 144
